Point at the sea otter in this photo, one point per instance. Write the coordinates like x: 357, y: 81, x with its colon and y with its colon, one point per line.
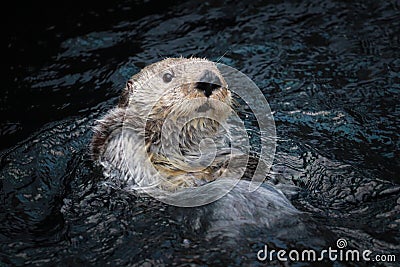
x: 169, y: 137
x: 167, y: 130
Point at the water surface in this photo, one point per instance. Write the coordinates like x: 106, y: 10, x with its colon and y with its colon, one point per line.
x: 330, y: 71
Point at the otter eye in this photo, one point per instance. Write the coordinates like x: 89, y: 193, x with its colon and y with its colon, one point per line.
x: 167, y: 77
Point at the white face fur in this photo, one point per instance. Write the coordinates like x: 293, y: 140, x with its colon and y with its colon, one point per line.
x: 173, y: 84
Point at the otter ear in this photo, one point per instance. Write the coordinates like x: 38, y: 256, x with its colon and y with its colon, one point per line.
x: 124, y: 98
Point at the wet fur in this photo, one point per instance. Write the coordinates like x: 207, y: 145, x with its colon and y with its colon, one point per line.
x: 124, y: 129
x: 120, y: 130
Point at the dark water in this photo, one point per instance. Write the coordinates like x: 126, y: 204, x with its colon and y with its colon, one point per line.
x: 330, y: 71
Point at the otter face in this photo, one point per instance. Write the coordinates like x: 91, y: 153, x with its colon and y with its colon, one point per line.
x: 185, y: 86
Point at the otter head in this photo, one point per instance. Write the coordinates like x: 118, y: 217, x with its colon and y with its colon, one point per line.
x: 184, y: 86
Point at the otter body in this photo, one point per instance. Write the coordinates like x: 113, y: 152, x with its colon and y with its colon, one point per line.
x: 169, y: 133
x: 187, y: 94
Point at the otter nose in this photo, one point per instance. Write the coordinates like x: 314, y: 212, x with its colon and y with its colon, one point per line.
x: 209, y: 82
x: 207, y: 88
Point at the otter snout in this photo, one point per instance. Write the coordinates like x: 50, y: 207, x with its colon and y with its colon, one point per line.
x: 209, y: 82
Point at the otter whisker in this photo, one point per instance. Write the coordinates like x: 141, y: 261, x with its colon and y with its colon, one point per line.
x: 223, y: 54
